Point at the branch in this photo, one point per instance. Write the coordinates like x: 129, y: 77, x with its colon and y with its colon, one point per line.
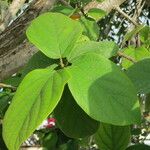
x: 11, y: 13
x: 126, y: 57
x: 138, y: 11
x: 107, y: 5
x: 125, y: 15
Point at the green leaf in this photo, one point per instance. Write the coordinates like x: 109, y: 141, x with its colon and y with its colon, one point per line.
x: 105, y: 48
x: 38, y: 60
x: 139, y: 147
x: 70, y: 145
x: 90, y: 28
x: 145, y: 34
x: 2, y: 144
x: 5, y: 98
x: 72, y: 120
x: 136, y: 53
x: 49, y: 141
x: 135, y: 131
x: 96, y: 13
x: 54, y: 34
x: 139, y: 73
x: 63, y: 9
x: 110, y: 137
x: 128, y: 36
x: 147, y: 103
x: 103, y: 91
x: 35, y: 99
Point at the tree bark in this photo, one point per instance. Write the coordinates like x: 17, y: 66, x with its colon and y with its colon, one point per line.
x: 11, y: 13
x: 107, y: 5
x: 15, y: 50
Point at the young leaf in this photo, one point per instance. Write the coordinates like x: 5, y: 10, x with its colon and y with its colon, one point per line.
x: 139, y: 73
x: 64, y: 10
x: 136, y: 53
x: 105, y: 48
x: 54, y: 34
x: 35, y: 99
x: 72, y: 120
x: 103, y: 91
x: 96, y: 13
x: 110, y: 137
x: 90, y: 28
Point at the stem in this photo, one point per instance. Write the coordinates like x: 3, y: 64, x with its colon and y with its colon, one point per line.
x: 61, y: 63
x: 127, y: 57
x: 81, y: 9
x: 2, y: 85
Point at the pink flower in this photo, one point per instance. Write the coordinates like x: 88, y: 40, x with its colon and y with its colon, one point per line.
x: 50, y: 122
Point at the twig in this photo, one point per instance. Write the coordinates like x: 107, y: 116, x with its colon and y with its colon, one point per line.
x: 125, y: 15
x: 138, y: 11
x: 127, y: 57
x: 2, y: 85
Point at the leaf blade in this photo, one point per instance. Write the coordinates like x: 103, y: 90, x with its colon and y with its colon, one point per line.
x: 72, y: 120
x: 139, y: 75
x: 105, y: 48
x: 110, y: 137
x: 54, y: 37
x: 34, y: 98
x: 103, y: 88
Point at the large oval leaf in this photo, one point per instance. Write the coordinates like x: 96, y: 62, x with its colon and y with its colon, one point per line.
x: 72, y: 120
x: 90, y: 28
x: 103, y: 91
x: 139, y: 73
x: 54, y: 34
x: 35, y: 99
x: 110, y: 137
x: 105, y: 48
